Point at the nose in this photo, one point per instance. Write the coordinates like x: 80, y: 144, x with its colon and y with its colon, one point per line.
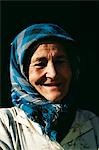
x: 50, y: 70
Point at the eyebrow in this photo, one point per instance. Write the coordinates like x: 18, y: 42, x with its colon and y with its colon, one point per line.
x: 39, y: 59
x: 61, y: 57
x: 44, y: 58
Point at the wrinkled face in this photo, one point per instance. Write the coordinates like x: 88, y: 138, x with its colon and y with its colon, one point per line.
x: 50, y: 72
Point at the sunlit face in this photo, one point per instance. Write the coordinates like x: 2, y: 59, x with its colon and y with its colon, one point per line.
x: 50, y: 72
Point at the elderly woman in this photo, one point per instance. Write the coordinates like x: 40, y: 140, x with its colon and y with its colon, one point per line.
x: 44, y: 69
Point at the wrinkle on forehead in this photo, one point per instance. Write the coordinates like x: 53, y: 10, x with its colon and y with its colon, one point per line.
x: 49, y: 50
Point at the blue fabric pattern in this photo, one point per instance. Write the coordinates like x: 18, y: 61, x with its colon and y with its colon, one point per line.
x: 24, y: 95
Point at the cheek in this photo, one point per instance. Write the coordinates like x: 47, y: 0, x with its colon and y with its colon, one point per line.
x: 34, y: 75
x: 32, y: 79
x: 66, y: 73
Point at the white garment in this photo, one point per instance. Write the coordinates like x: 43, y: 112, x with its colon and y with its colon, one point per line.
x: 18, y: 132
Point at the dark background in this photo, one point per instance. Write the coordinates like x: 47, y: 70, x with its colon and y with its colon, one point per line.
x: 80, y: 19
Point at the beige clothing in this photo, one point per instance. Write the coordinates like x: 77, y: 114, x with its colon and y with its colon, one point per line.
x: 18, y: 132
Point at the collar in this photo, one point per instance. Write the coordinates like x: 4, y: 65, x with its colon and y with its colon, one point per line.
x: 79, y: 127
x: 21, y: 118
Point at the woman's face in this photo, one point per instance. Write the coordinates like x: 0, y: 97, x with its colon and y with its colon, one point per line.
x: 50, y: 72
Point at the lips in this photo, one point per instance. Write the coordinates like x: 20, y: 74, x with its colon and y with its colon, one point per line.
x: 52, y: 84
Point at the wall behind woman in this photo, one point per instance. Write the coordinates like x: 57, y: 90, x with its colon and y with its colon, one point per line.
x: 78, y: 18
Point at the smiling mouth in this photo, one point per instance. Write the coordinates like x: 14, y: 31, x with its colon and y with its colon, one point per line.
x: 52, y: 84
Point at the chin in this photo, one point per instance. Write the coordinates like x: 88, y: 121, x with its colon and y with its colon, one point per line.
x: 57, y: 98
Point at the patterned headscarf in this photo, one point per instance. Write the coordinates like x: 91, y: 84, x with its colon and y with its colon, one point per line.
x: 23, y: 94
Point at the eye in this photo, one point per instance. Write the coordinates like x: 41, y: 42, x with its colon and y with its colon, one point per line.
x: 61, y: 61
x: 41, y: 64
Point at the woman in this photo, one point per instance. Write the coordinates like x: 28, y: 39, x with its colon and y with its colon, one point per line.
x: 44, y: 71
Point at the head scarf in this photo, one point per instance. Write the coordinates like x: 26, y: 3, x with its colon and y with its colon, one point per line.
x: 23, y: 94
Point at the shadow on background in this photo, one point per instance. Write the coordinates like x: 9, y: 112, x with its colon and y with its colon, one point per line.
x: 78, y: 18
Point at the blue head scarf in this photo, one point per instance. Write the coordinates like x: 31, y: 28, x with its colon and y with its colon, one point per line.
x: 23, y: 94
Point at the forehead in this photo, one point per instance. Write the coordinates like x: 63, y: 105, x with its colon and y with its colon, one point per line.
x: 49, y: 49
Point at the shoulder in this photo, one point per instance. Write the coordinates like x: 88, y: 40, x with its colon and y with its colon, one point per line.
x: 85, y: 127
x: 5, y: 115
x: 6, y: 112
x: 87, y: 120
x: 8, y: 115
x: 85, y: 115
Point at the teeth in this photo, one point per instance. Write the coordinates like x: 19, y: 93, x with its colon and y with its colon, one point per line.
x: 51, y: 84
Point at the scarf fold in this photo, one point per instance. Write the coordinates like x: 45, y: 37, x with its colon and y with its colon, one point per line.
x: 23, y: 94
